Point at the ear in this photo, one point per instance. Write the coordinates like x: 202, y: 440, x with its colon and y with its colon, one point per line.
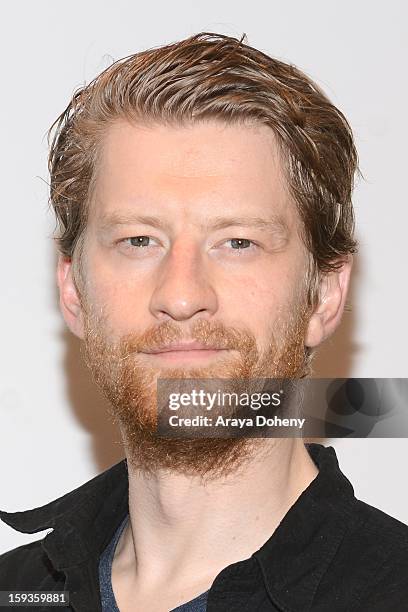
x: 70, y: 302
x: 329, y: 310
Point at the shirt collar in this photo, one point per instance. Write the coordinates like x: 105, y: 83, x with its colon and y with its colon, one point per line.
x: 297, y: 555
x: 292, y: 562
x: 83, y: 520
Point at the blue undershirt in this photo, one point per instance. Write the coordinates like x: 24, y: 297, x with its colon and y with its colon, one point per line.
x: 198, y: 604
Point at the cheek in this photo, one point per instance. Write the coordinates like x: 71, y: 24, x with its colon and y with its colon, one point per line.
x: 265, y: 287
x: 261, y: 299
x: 123, y: 299
x: 255, y: 300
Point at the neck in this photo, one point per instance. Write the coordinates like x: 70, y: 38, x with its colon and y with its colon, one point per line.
x: 181, y: 528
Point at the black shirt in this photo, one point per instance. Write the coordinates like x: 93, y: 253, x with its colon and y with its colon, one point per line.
x: 330, y: 552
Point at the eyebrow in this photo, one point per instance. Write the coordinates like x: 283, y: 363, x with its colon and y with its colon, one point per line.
x: 275, y: 223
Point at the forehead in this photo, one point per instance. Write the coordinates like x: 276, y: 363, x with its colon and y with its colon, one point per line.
x: 195, y: 168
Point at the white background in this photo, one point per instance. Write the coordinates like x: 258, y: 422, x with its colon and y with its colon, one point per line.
x: 55, y: 434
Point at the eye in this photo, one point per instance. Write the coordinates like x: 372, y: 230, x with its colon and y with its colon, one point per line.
x: 139, y: 246
x: 240, y: 243
x: 137, y: 241
x: 239, y: 246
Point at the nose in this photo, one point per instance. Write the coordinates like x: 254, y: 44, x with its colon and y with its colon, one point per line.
x: 183, y: 288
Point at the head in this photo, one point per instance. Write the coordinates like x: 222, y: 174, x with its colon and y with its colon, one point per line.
x: 203, y: 193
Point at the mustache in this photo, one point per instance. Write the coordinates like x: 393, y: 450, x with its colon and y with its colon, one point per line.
x: 209, y: 333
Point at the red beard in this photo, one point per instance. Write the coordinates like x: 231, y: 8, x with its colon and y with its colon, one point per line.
x: 130, y: 386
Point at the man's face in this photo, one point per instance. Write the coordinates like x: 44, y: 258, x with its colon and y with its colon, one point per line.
x: 191, y: 236
x: 192, y: 223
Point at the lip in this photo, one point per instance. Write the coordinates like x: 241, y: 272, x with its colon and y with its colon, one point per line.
x: 184, y: 352
x: 183, y: 347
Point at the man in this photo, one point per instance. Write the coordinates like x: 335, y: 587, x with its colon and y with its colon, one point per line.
x: 203, y: 191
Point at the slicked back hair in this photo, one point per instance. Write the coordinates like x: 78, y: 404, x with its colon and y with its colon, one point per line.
x: 212, y: 76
